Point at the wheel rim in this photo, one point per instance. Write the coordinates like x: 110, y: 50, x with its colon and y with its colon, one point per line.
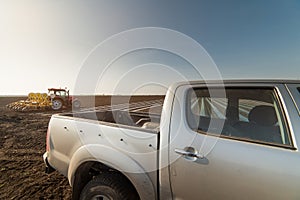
x: 56, y: 104
x: 76, y: 104
x: 101, y: 197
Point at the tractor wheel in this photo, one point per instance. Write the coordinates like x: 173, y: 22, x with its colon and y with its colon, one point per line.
x: 57, y: 104
x: 76, y: 104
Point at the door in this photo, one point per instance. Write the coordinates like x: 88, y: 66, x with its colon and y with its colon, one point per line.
x: 232, y: 146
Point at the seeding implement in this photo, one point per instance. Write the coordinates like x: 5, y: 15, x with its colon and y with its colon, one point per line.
x: 56, y: 99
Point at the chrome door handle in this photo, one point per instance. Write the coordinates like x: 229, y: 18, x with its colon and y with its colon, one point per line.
x: 187, y: 153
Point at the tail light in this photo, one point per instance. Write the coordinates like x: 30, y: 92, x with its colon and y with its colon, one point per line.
x: 48, y: 140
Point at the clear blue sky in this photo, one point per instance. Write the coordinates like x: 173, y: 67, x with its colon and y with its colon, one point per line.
x: 44, y: 43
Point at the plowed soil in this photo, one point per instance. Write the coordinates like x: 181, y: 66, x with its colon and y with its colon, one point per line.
x: 22, y: 144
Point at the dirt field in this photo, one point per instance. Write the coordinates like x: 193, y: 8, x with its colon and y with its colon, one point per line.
x: 22, y: 144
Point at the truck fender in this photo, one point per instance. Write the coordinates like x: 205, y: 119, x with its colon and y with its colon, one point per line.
x: 116, y: 160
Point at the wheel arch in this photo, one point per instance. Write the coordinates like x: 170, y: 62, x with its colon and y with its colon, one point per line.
x: 83, y: 164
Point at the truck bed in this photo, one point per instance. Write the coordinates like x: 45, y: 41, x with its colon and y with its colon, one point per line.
x: 144, y: 115
x: 120, y: 135
x: 120, y: 117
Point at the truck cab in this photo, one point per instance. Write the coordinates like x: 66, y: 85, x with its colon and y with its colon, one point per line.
x: 234, y: 140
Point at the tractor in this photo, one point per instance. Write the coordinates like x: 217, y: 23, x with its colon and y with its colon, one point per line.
x: 60, y: 98
x: 56, y: 99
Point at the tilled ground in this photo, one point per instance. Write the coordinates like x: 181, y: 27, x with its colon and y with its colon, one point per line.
x: 22, y: 144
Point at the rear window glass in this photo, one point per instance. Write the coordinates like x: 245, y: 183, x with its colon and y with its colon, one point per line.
x: 209, y: 107
x: 245, y: 105
x: 250, y: 114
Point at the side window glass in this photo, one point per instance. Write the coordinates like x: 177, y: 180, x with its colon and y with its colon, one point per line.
x: 246, y: 105
x: 249, y: 114
x: 209, y: 107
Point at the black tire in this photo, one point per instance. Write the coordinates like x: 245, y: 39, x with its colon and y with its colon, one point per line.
x: 76, y: 104
x: 108, y: 186
x: 57, y: 104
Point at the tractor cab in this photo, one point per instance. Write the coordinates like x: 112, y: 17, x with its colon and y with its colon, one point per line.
x: 53, y: 92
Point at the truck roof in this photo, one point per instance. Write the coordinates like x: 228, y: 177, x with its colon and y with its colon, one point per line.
x: 235, y: 81
x: 278, y: 81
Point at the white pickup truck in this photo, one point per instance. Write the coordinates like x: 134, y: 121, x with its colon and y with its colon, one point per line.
x: 212, y: 140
